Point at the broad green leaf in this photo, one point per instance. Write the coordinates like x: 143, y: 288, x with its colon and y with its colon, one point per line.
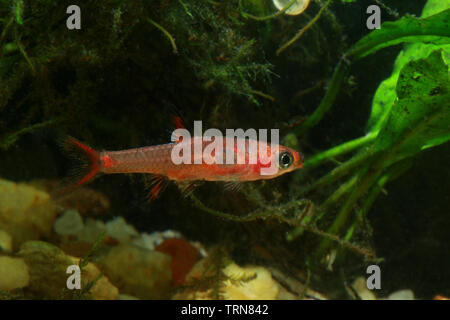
x: 385, y: 95
x: 420, y: 117
x: 434, y: 29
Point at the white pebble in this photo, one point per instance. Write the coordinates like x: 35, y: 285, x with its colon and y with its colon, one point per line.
x: 121, y: 231
x: 405, y: 294
x: 70, y: 223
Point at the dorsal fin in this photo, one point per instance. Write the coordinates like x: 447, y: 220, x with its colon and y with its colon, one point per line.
x: 178, y: 122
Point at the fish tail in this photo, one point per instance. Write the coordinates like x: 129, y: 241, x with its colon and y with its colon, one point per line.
x: 88, y: 161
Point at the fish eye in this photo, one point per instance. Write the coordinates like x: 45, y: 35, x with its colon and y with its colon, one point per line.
x: 285, y: 159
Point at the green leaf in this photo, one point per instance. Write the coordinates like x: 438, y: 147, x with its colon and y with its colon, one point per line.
x: 427, y: 33
x: 420, y: 117
x: 434, y: 29
x: 385, y: 96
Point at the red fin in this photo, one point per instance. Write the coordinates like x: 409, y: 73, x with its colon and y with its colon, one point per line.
x: 187, y: 187
x: 178, y: 122
x: 90, y: 164
x: 157, y: 184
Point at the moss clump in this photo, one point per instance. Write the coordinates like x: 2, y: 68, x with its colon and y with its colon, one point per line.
x: 217, y: 44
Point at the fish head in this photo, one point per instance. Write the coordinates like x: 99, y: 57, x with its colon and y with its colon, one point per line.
x: 279, y: 160
x: 288, y: 160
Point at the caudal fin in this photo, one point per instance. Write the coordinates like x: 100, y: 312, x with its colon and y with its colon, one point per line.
x: 87, y: 159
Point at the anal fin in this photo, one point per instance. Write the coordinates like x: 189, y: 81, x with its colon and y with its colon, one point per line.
x: 156, y: 184
x: 233, y: 186
x: 187, y: 187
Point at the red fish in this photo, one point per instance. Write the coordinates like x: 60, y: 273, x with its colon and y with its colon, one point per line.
x: 157, y: 160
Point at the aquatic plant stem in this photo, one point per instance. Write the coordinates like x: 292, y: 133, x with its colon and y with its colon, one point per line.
x: 339, y: 74
x: 322, y: 210
x: 392, y: 174
x: 186, y: 9
x: 166, y: 33
x: 24, y: 54
x: 304, y: 29
x: 279, y: 213
x: 339, y: 150
x: 10, y: 139
x: 373, y: 194
x: 332, y: 200
x: 370, y: 174
x: 262, y: 94
x: 336, y: 196
x: 340, y: 171
x: 3, y: 34
x: 390, y: 11
x: 367, y: 178
x: 18, y: 11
